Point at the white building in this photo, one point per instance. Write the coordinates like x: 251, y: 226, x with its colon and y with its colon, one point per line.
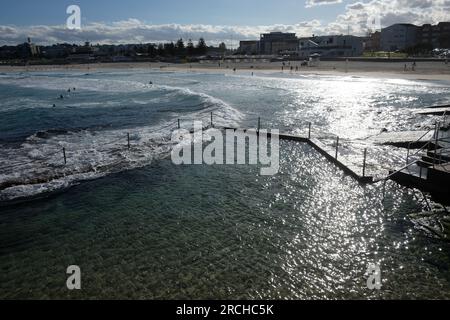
x: 331, y: 46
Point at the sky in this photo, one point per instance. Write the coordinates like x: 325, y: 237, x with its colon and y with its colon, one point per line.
x: 141, y: 21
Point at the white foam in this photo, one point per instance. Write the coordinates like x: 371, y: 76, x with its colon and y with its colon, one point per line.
x: 38, y: 165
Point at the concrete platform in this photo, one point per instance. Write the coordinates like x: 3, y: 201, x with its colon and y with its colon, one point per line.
x: 404, y: 139
x: 434, y: 111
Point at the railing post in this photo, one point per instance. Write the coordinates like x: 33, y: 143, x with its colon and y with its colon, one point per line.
x: 64, y: 154
x: 364, y: 162
x: 407, y: 155
x: 259, y: 124
x: 309, y: 131
x: 128, y: 139
x: 179, y: 127
x: 212, y: 124
x: 436, y: 143
x: 337, y: 147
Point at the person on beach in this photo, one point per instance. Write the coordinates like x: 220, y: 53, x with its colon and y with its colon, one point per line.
x: 414, y: 66
x: 405, y: 68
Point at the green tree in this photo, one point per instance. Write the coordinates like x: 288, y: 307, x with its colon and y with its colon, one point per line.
x: 151, y: 50
x: 222, y: 47
x: 169, y: 49
x: 180, y: 47
x: 201, y: 47
x: 190, y: 48
x: 160, y: 49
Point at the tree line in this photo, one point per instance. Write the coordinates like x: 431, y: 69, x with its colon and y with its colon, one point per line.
x: 181, y: 49
x: 178, y: 49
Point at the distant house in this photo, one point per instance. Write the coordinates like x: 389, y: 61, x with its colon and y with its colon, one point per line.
x: 249, y: 47
x: 273, y: 43
x: 82, y: 53
x: 331, y: 46
x: 278, y: 42
x: 399, y: 37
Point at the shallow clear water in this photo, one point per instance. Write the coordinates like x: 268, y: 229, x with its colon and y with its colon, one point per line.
x: 149, y: 229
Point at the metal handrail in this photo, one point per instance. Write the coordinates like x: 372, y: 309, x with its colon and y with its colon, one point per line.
x: 436, y: 138
x: 417, y: 152
x: 399, y: 170
x: 418, y: 140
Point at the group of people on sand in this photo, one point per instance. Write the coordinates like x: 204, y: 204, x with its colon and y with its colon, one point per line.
x: 291, y: 68
x: 413, y: 67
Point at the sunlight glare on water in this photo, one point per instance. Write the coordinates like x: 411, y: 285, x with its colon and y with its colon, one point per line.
x: 146, y: 228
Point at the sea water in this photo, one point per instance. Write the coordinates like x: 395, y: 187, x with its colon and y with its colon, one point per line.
x: 141, y: 227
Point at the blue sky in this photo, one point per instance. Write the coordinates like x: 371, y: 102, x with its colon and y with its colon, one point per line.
x: 227, y: 12
x: 142, y: 21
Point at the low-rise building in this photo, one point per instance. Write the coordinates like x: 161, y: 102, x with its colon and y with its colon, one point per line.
x: 331, y: 46
x: 82, y: 53
x: 249, y: 47
x: 277, y: 43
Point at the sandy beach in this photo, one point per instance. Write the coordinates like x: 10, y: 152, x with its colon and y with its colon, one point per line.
x: 423, y: 71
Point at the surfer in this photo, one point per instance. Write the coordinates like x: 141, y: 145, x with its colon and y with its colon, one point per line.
x: 61, y: 97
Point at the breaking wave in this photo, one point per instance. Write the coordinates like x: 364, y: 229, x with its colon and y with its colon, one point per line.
x: 37, y: 165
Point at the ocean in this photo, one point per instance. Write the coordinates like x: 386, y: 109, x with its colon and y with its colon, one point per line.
x: 141, y: 227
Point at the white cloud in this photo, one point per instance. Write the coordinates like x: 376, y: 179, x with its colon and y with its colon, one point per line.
x: 355, y: 18
x: 393, y: 11
x: 313, y: 3
x: 135, y: 31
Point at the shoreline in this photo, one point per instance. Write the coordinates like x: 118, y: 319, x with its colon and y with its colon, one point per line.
x: 426, y: 71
